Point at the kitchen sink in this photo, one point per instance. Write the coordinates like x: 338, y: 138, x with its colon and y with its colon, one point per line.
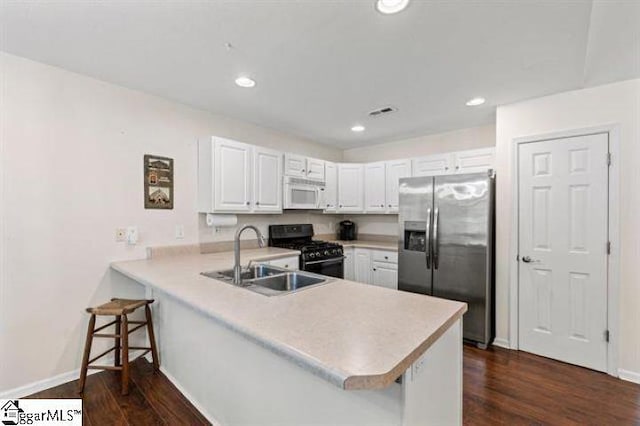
x: 290, y: 281
x: 270, y: 280
x: 251, y: 273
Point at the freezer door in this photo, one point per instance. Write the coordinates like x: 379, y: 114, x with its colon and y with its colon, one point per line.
x: 462, y: 248
x: 414, y: 227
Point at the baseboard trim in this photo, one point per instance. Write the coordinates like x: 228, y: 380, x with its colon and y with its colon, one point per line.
x: 502, y: 343
x: 51, y: 382
x: 192, y: 400
x: 629, y: 376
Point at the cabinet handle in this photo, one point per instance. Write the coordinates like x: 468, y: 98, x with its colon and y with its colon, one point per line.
x: 457, y: 167
x: 446, y: 168
x: 302, y: 170
x: 328, y: 205
x: 389, y: 205
x: 257, y: 203
x: 374, y: 269
x: 386, y: 257
x: 248, y: 203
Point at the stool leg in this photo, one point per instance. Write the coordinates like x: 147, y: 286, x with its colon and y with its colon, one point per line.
x: 152, y: 338
x: 125, y: 355
x: 116, y: 361
x: 87, y: 352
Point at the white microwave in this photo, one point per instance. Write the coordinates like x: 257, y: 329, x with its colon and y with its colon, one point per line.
x: 302, y: 193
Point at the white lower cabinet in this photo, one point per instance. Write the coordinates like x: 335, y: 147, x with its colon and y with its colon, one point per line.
x: 349, y: 264
x: 370, y: 266
x: 362, y: 260
x: 292, y: 262
x: 385, y: 275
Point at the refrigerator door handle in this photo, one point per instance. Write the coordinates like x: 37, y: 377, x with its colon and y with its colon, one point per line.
x: 428, y: 238
x: 436, y: 249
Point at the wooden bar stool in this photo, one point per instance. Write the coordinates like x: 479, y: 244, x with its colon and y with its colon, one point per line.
x: 119, y: 308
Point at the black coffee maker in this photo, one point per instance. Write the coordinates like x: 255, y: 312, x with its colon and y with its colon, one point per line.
x: 347, y: 230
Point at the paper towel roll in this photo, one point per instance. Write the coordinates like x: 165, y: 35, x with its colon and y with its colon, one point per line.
x: 221, y: 220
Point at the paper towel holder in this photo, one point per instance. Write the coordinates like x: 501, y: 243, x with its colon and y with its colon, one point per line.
x: 221, y: 220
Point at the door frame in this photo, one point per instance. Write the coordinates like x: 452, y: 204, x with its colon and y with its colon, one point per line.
x: 613, y: 263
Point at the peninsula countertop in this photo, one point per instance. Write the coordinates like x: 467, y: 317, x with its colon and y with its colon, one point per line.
x: 356, y: 336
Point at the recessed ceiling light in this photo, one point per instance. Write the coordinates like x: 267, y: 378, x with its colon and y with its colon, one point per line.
x: 391, y: 6
x: 357, y: 128
x: 475, y: 101
x: 245, y: 82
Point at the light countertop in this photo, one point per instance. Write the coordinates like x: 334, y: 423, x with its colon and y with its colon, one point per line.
x: 356, y: 336
x: 376, y: 245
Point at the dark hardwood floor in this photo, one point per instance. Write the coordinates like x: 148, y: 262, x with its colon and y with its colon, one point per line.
x: 500, y: 387
x: 517, y: 388
x: 152, y: 399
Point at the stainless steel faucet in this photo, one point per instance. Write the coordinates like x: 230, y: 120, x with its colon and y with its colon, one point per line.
x: 237, y: 268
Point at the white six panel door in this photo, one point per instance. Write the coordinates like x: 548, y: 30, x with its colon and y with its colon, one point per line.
x: 563, y: 233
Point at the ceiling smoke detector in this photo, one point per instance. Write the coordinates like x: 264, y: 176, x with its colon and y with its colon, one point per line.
x: 382, y: 111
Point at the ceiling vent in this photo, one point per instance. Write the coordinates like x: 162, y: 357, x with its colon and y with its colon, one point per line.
x: 382, y: 111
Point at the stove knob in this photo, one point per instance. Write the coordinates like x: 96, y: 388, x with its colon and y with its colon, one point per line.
x: 318, y: 254
x: 312, y: 255
x: 326, y: 253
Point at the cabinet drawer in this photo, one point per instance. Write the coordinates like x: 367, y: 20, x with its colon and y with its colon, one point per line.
x: 385, y: 256
x: 286, y: 262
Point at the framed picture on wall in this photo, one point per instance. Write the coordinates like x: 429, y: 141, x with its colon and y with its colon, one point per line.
x: 158, y: 182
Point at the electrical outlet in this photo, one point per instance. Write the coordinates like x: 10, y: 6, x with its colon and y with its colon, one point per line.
x: 179, y: 232
x: 121, y: 234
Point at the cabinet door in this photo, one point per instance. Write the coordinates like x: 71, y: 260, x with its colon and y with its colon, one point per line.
x: 433, y: 165
x: 330, y: 197
x: 288, y: 262
x: 232, y: 179
x: 475, y: 160
x: 295, y: 165
x: 385, y: 275
x: 350, y: 188
x: 362, y: 259
x: 374, y: 187
x: 349, y: 265
x: 267, y: 182
x: 395, y: 170
x: 315, y: 169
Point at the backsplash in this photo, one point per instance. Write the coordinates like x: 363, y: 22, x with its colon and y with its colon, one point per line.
x: 323, y: 224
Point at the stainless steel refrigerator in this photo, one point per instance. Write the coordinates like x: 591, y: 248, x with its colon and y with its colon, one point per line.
x: 446, y: 244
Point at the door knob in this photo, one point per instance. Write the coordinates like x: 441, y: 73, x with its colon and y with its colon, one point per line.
x: 527, y: 259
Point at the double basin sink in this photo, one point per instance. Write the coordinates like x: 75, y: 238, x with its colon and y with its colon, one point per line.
x: 270, y: 280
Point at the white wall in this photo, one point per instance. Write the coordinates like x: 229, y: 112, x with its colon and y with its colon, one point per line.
x: 71, y: 151
x: 457, y: 140
x: 617, y: 103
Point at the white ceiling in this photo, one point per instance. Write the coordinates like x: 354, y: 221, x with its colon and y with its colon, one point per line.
x: 322, y: 65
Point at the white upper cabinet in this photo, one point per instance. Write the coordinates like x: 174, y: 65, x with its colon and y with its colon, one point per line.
x: 330, y: 197
x: 303, y: 167
x: 374, y: 187
x: 232, y: 181
x: 235, y: 177
x: 315, y: 169
x: 295, y: 165
x: 267, y: 185
x: 475, y: 160
x: 350, y: 188
x: 471, y: 161
x: 395, y: 170
x: 433, y: 165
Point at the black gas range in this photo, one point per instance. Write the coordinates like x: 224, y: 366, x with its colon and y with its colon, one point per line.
x: 320, y: 257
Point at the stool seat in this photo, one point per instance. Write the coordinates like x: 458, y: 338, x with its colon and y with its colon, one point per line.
x: 118, y: 307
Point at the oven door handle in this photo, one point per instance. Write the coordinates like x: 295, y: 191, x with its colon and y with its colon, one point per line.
x: 334, y: 260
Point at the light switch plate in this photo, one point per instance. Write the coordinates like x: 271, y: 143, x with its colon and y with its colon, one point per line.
x: 132, y: 235
x: 179, y: 232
